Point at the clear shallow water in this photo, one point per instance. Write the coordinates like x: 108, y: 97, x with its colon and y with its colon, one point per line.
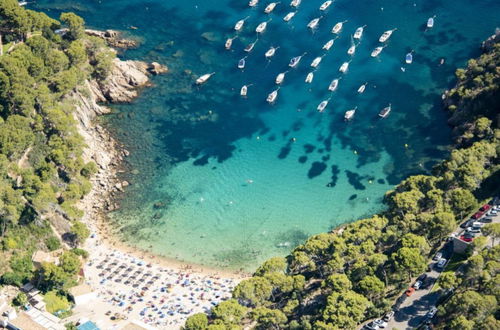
x: 228, y: 182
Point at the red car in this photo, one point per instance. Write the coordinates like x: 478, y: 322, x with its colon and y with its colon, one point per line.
x: 466, y: 239
x: 410, y: 291
x: 477, y: 215
x: 485, y: 207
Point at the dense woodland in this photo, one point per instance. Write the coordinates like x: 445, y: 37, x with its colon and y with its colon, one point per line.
x: 338, y: 280
x: 42, y: 172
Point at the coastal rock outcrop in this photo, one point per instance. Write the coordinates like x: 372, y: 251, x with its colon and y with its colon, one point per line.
x: 113, y: 39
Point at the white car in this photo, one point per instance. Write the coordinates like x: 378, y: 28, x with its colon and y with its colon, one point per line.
x: 380, y: 323
x: 417, y: 285
x: 432, y: 312
x: 441, y: 263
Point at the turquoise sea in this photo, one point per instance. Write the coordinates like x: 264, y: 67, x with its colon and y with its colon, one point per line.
x: 226, y: 181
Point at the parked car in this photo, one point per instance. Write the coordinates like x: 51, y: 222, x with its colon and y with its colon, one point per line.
x: 387, y: 317
x: 372, y: 326
x: 467, y: 223
x: 492, y: 212
x: 417, y: 285
x: 430, y: 314
x: 438, y: 256
x: 381, y: 323
x: 410, y: 291
x: 477, y: 215
x: 441, y: 263
x: 473, y: 230
x: 485, y: 207
x: 486, y: 220
x: 423, y: 277
x: 466, y: 238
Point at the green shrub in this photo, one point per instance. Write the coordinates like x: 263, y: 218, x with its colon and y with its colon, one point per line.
x: 52, y: 243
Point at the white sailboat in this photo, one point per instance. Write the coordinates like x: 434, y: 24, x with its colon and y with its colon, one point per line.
x: 239, y: 25
x: 359, y: 32
x: 409, y: 58
x: 376, y: 52
x: 430, y: 22
x: 270, y: 7
x: 338, y: 27
x: 279, y: 78
x: 253, y: 3
x: 329, y: 44
x: 325, y: 5
x: 344, y: 67
x: 386, y: 35
x: 262, y: 27
x: 321, y: 107
x: 385, y: 111
x: 362, y: 88
x: 352, y: 50
x: 289, y: 16
x: 244, y: 90
x: 229, y: 43
x: 272, y: 96
x: 270, y: 52
x: 204, y: 78
x: 349, y: 114
x: 241, y: 63
x: 295, y: 61
x: 314, y: 23
x: 333, y: 85
x: 316, y: 61
x: 295, y: 3
x: 309, y: 77
x: 249, y: 47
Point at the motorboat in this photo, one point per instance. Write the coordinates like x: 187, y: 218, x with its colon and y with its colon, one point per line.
x: 325, y: 5
x: 270, y: 7
x: 362, y: 88
x: 430, y: 22
x: 249, y: 47
x: 244, y: 90
x: 241, y: 63
x: 338, y: 27
x: 321, y: 107
x: 271, y: 51
x: 289, y: 16
x: 295, y: 61
x: 351, y: 50
x: 280, y: 77
x: 295, y: 3
x: 349, y: 114
x: 385, y: 111
x: 359, y: 32
x: 313, y: 23
x: 344, y: 67
x: 409, y: 58
x: 272, y: 96
x: 376, y: 52
x: 316, y: 61
x: 253, y: 3
x: 261, y: 27
x: 204, y: 78
x: 386, y: 35
x: 309, y: 77
x: 229, y: 43
x: 333, y: 85
x: 239, y: 25
x: 329, y: 44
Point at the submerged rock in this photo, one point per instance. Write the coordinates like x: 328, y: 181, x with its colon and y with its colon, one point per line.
x: 156, y: 68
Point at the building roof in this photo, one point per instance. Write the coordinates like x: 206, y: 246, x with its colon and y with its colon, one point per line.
x: 80, y: 290
x: 89, y: 325
x: 136, y: 325
x: 23, y: 321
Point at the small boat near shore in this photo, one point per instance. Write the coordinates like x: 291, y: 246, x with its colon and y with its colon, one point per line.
x: 350, y: 113
x: 271, y: 98
x: 250, y: 47
x: 229, y: 43
x: 333, y: 85
x: 376, y: 52
x: 309, y: 77
x: 344, y: 67
x: 409, y: 58
x: 204, y: 78
x: 295, y: 3
x: 253, y: 3
x: 359, y: 32
x: 262, y: 27
x: 270, y: 52
x: 386, y: 35
x: 289, y: 16
x: 244, y: 90
x: 338, y: 27
x: 321, y: 107
x: 362, y: 88
x: 325, y: 5
x: 329, y: 43
x: 385, y: 111
x: 296, y: 60
x: 352, y: 50
x: 313, y: 24
x: 430, y: 22
x: 280, y: 77
x: 239, y: 25
x: 270, y: 7
x: 316, y: 61
x: 241, y: 63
